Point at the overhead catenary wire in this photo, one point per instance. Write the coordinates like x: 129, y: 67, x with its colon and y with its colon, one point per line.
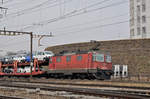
x: 4, y: 2
x: 8, y: 3
x: 83, y: 8
x: 93, y: 27
x: 90, y: 22
x: 70, y: 14
x: 84, y: 29
x: 22, y: 12
x: 74, y: 13
x: 35, y: 9
x: 31, y: 8
x: 18, y: 13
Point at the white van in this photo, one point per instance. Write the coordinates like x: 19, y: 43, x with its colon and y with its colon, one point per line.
x: 43, y: 55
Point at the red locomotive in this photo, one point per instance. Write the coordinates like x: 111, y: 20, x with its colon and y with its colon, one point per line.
x: 92, y: 65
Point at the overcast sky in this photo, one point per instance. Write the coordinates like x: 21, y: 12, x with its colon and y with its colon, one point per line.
x: 70, y: 21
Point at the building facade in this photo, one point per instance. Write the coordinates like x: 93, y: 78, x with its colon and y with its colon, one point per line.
x: 139, y: 19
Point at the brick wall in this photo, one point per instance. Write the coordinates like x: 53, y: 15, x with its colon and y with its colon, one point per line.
x: 134, y: 53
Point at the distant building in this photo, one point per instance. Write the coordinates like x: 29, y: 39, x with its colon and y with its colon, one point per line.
x: 139, y: 19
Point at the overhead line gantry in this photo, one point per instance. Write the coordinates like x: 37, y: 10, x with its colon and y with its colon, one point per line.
x: 15, y: 33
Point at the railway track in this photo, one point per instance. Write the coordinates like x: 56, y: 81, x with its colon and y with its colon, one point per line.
x: 10, y: 97
x: 95, y: 83
x: 108, y: 91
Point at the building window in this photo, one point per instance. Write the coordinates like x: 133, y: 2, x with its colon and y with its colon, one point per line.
x: 138, y: 0
x: 58, y: 59
x: 138, y: 8
x: 144, y: 30
x: 132, y: 21
x: 132, y: 32
x: 143, y: 8
x: 138, y: 31
x: 68, y: 58
x: 143, y: 1
x: 138, y: 19
x: 143, y: 19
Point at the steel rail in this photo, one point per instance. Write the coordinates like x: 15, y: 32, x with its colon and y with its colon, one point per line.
x: 10, y: 97
x: 80, y: 84
x: 87, y: 91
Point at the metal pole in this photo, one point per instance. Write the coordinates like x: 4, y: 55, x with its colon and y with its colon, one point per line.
x: 31, y: 62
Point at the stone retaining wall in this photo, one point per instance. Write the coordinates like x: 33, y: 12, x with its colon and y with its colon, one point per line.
x: 134, y: 53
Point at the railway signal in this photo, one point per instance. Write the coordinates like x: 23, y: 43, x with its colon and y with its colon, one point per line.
x: 15, y: 33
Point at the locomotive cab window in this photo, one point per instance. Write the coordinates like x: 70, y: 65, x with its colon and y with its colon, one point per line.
x: 68, y: 58
x: 108, y: 58
x: 58, y: 59
x: 79, y: 58
x: 98, y: 57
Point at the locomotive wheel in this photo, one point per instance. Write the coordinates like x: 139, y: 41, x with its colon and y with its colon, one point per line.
x: 82, y: 76
x: 90, y: 76
x: 98, y: 76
